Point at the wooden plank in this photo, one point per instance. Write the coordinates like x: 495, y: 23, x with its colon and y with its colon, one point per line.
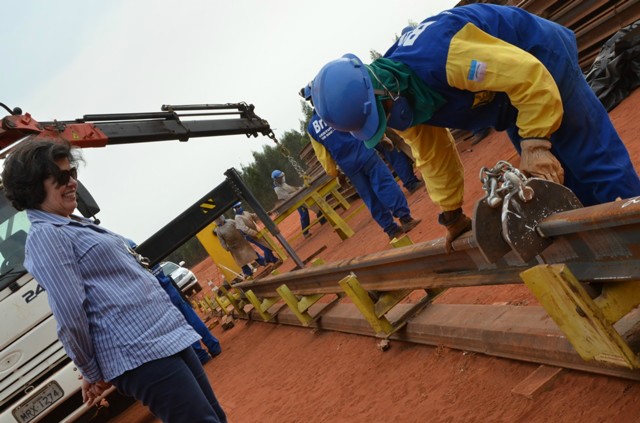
x: 538, y: 381
x: 513, y: 332
x: 571, y: 13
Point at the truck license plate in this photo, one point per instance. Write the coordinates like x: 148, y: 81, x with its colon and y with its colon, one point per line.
x: 42, y: 400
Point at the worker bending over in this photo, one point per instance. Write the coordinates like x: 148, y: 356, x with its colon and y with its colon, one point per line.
x: 480, y: 66
x: 365, y: 169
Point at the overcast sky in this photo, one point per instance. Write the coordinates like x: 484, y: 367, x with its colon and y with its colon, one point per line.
x: 63, y: 59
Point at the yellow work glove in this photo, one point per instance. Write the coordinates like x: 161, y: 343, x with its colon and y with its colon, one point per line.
x: 537, y: 160
x: 456, y: 223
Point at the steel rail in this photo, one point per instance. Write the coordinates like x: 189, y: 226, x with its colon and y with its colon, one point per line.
x: 598, y: 244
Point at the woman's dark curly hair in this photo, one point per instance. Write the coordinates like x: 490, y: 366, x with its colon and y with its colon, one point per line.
x: 29, y: 165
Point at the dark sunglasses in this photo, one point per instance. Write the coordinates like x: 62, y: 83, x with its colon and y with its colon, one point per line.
x: 62, y: 177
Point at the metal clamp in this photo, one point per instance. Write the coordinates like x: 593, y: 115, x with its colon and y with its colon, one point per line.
x: 506, y: 218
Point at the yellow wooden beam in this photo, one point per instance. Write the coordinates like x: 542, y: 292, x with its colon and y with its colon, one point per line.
x: 402, y: 241
x: 389, y: 299
x: 343, y: 230
x: 317, y: 262
x: 223, y: 302
x: 616, y: 300
x: 340, y: 198
x: 235, y: 301
x: 351, y: 286
x: 261, y: 306
x: 578, y: 316
x: 294, y: 304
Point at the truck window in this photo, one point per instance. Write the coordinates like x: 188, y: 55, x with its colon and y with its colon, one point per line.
x: 14, y: 227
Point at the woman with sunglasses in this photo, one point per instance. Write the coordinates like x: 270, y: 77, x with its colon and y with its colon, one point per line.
x: 114, y: 320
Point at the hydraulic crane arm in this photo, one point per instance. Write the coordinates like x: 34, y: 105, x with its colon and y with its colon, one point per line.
x: 205, y: 120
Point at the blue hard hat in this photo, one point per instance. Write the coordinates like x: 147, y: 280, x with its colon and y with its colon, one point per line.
x: 407, y: 29
x: 238, y: 204
x: 344, y: 98
x: 305, y: 92
x: 276, y: 174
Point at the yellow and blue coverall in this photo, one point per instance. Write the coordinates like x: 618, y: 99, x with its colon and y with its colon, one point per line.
x: 505, y: 68
x: 367, y: 172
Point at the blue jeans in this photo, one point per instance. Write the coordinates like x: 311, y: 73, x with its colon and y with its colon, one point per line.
x: 381, y: 194
x: 402, y: 165
x: 175, y: 389
x: 210, y: 341
x: 304, y: 219
x: 268, y: 253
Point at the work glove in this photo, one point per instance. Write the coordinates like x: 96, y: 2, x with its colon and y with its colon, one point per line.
x: 537, y: 160
x: 387, y: 144
x: 456, y: 223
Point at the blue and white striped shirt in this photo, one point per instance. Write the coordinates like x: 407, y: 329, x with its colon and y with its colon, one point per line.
x: 112, y: 313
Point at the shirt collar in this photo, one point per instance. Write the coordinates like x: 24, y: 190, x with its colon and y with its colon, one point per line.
x: 40, y: 216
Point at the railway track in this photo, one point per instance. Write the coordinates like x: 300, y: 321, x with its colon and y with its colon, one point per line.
x: 600, y: 245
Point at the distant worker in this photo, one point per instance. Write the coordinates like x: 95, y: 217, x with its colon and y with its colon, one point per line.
x: 210, y: 341
x: 401, y: 164
x: 473, y: 67
x: 285, y: 191
x: 191, y: 317
x: 234, y: 242
x: 246, y: 223
x: 367, y: 172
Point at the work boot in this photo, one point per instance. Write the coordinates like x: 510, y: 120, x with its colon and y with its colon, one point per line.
x: 409, y: 223
x: 395, y: 233
x: 456, y: 223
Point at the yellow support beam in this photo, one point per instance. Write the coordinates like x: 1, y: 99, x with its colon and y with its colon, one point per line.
x: 340, y: 199
x: 584, y: 324
x: 223, y: 302
x: 388, y: 300
x: 388, y: 303
x: 403, y: 241
x: 235, y: 301
x: 299, y: 307
x: 317, y: 262
x: 616, y: 300
x: 360, y: 297
x: 262, y: 306
x: 343, y: 230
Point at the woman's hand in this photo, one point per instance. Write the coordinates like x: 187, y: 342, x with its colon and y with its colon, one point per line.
x: 92, y: 391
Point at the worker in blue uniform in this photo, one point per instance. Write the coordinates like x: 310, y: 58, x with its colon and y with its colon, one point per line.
x: 210, y: 341
x: 367, y: 172
x: 473, y: 67
x: 402, y: 165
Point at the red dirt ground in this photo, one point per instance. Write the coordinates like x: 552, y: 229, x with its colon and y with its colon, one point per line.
x: 270, y: 373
